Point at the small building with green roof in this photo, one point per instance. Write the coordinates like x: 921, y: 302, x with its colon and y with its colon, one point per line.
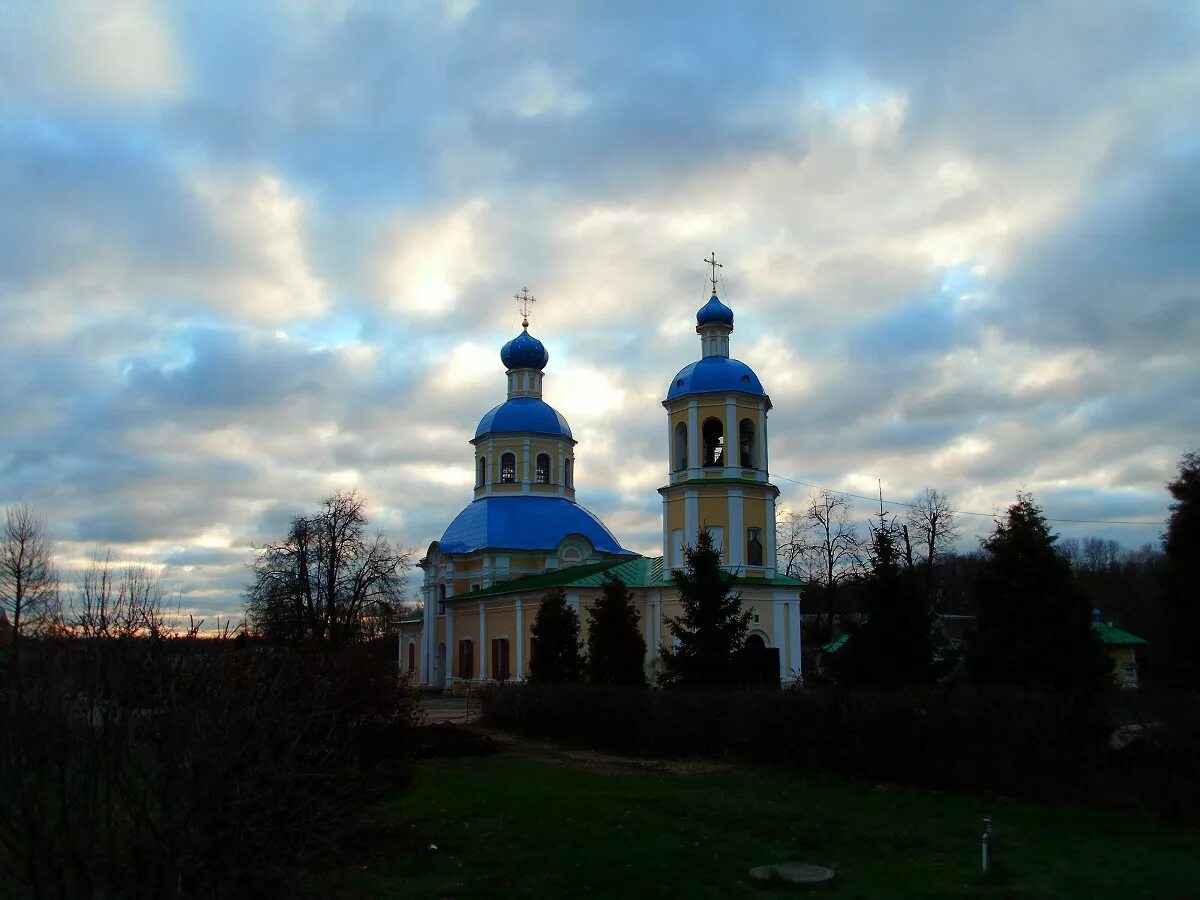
x: 1122, y: 647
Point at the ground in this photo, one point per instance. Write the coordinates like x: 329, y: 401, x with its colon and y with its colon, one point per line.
x: 539, y: 821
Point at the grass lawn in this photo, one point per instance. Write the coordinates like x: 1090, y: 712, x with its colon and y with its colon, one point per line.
x: 517, y: 825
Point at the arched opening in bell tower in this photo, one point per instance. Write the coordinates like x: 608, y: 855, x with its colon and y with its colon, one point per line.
x: 714, y: 442
x: 681, y: 451
x: 508, y: 468
x: 542, y: 469
x: 746, y: 444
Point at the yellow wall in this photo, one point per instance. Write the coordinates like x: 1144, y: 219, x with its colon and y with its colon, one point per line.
x: 675, y: 513
x: 1120, y: 657
x: 714, y: 511
x: 502, y: 623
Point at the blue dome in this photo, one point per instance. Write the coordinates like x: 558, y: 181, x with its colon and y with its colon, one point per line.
x: 523, y: 414
x: 713, y: 374
x: 524, y: 523
x: 524, y: 352
x: 714, y: 311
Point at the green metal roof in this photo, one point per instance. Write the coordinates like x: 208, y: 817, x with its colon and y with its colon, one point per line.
x: 1114, y: 637
x: 592, y: 573
x: 641, y: 571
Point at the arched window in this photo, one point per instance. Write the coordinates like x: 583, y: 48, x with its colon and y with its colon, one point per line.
x: 746, y: 443
x: 755, y: 642
x: 680, y: 454
x: 508, y: 468
x: 567, y: 474
x: 754, y: 548
x: 543, y: 468
x: 482, y: 479
x: 714, y: 442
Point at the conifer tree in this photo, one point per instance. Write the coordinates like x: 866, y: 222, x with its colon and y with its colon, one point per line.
x: 555, y: 657
x: 1181, y: 590
x: 890, y: 642
x: 1033, y: 625
x: 616, y: 650
x: 711, y: 630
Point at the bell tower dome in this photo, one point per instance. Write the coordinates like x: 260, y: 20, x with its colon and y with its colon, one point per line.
x: 717, y: 453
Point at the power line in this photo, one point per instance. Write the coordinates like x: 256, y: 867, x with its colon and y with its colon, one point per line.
x: 961, y: 512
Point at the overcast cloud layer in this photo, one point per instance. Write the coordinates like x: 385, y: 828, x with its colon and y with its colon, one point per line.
x: 253, y: 253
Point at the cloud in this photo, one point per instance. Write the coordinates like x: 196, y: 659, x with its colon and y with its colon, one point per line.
x: 248, y: 260
x: 79, y: 52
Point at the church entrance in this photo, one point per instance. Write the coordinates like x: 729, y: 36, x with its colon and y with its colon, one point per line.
x: 439, y: 668
x: 757, y: 663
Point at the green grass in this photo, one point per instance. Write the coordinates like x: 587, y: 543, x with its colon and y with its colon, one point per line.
x: 511, y: 826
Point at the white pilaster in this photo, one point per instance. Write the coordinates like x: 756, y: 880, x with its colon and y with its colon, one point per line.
x: 769, y: 558
x: 428, y: 633
x: 526, y: 475
x: 733, y: 448
x: 779, y: 636
x: 666, y: 544
x: 735, y: 541
x: 691, y: 517
x: 451, y: 650
x: 695, y: 464
x: 670, y: 449
x: 520, y: 673
x: 482, y: 673
x: 762, y: 438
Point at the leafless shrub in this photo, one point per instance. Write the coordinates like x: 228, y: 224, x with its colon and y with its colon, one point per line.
x: 168, y: 767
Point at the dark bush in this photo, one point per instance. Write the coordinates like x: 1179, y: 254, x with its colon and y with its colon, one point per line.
x: 148, y: 768
x: 1024, y: 743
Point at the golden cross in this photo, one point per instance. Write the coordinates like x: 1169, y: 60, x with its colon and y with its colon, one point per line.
x: 714, y: 265
x: 524, y: 299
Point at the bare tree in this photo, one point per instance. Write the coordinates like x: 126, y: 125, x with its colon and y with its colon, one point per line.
x: 326, y: 580
x: 1100, y: 554
x: 114, y: 601
x: 932, y: 524
x: 29, y: 595
x: 822, y: 546
x: 932, y: 521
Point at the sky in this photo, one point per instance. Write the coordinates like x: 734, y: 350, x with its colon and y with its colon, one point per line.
x: 251, y: 254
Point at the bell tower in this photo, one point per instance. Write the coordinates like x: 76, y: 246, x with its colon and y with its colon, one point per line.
x: 717, y: 451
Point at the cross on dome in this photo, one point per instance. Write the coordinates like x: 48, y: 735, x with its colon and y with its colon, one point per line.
x: 714, y: 265
x: 524, y: 299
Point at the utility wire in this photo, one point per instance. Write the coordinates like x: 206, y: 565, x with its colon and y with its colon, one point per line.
x: 961, y: 512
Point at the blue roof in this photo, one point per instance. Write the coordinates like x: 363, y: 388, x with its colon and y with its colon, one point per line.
x: 713, y: 374
x: 523, y: 414
x: 714, y: 311
x: 524, y: 522
x: 524, y: 352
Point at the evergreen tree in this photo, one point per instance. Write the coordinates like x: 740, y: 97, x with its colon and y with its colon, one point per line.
x: 890, y: 642
x: 1181, y: 588
x: 555, y: 657
x: 712, y: 629
x: 616, y: 650
x: 1033, y: 626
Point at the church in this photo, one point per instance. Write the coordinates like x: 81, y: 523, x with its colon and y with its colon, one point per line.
x: 524, y: 532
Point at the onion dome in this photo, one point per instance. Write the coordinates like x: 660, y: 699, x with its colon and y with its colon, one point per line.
x: 516, y: 522
x: 715, y: 375
x: 523, y: 414
x: 525, y: 352
x: 714, y: 312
